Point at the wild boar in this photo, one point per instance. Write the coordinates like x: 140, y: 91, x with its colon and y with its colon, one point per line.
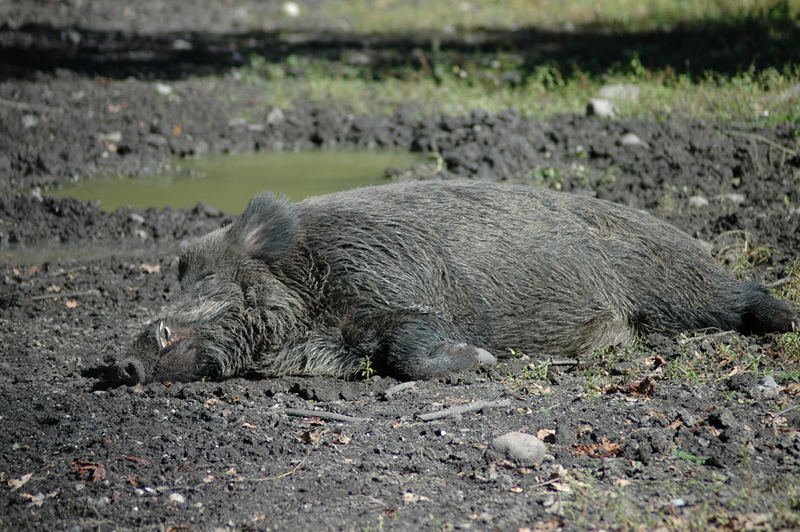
x: 427, y: 278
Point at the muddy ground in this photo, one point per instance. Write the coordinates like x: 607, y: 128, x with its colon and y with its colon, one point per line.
x: 678, y: 433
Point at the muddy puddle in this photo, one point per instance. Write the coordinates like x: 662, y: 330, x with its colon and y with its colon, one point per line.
x: 227, y: 182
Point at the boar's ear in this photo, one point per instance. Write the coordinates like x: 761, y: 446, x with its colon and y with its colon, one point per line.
x: 266, y: 228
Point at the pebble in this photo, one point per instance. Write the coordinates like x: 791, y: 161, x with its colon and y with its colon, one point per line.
x: 619, y: 91
x: 163, y: 89
x: 632, y: 139
x: 114, y: 136
x: 181, y: 45
x: 136, y: 218
x: 525, y: 449
x: 275, y: 117
x: 291, y: 9
x: 736, y: 199
x: 698, y: 202
x: 601, y: 108
x: 767, y: 388
x: 177, y: 498
x: 28, y: 121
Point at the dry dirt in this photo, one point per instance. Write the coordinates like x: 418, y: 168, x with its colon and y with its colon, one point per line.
x: 680, y: 432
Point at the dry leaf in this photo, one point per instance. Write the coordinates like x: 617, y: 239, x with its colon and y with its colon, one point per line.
x: 71, y: 303
x: 17, y: 483
x: 87, y: 470
x: 546, y: 435
x: 515, y: 489
x: 176, y: 131
x: 604, y: 449
x: 150, y: 268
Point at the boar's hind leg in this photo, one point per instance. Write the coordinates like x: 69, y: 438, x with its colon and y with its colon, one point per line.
x: 419, y: 349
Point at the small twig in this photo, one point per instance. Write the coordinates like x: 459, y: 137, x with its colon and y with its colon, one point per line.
x: 463, y: 409
x: 777, y: 283
x: 563, y: 362
x: 765, y: 140
x: 397, y: 388
x: 705, y: 337
x: 55, y: 295
x: 785, y: 411
x: 331, y: 416
x: 297, y: 467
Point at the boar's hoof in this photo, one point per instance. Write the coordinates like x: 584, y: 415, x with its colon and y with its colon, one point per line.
x: 130, y: 371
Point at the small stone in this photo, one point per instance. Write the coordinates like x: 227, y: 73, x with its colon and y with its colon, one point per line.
x: 525, y: 449
x: 163, y: 89
x: 722, y: 420
x: 291, y: 9
x: 155, y: 140
x: 619, y: 91
x: 698, y: 202
x: 632, y: 139
x: 182, y: 45
x: 275, y: 117
x: 736, y: 199
x: 29, y: 121
x: 601, y: 108
x: 136, y: 218
x: 177, y: 498
x: 769, y: 382
x: 114, y: 136
x: 767, y: 388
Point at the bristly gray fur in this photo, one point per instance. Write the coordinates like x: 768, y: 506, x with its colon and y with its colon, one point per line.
x: 418, y: 275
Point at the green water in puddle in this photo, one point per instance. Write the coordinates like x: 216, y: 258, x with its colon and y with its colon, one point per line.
x: 227, y: 182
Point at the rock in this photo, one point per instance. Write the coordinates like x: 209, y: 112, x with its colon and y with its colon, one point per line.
x: 619, y: 91
x: 136, y: 218
x: 601, y: 108
x: 291, y: 9
x: 736, y: 199
x: 114, y: 136
x: 722, y: 420
x: 698, y: 202
x: 156, y: 140
x: 767, y: 388
x: 524, y: 449
x: 29, y: 121
x: 632, y: 139
x: 275, y: 117
x: 177, y: 498
x: 181, y: 45
x: 163, y: 89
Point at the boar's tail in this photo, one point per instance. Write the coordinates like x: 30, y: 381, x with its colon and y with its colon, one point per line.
x: 761, y: 313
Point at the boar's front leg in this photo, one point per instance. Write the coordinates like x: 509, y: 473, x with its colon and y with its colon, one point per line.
x: 421, y: 348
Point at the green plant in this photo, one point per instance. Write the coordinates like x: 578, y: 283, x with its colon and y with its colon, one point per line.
x: 367, y: 370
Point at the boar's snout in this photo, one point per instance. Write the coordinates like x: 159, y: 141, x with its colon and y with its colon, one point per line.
x: 130, y: 371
